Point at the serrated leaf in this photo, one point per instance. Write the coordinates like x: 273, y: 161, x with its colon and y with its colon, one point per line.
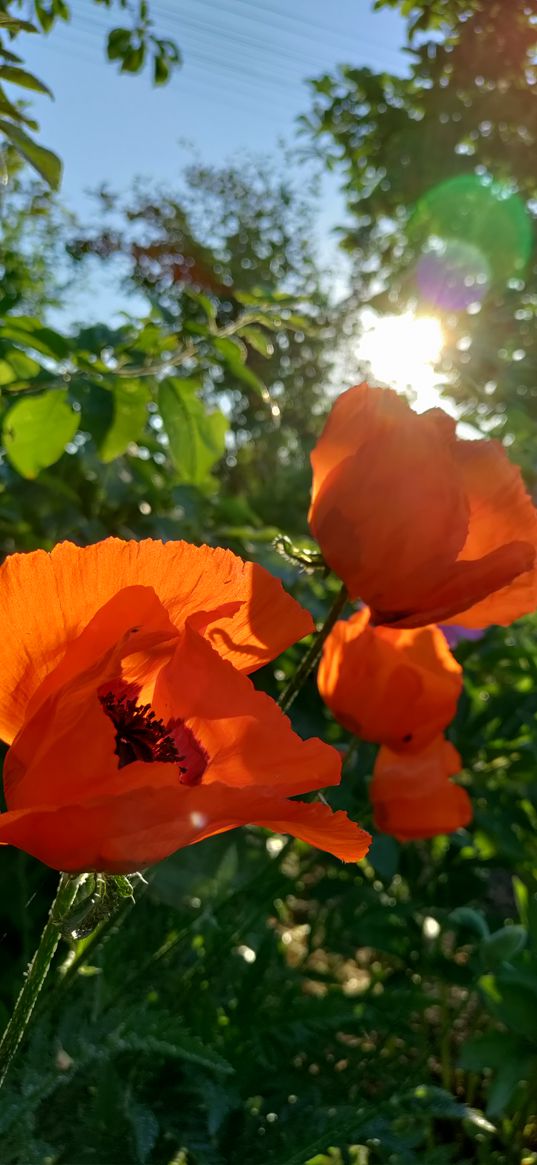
x: 36, y: 430
x: 145, y: 1128
x: 180, y: 1046
x: 196, y: 437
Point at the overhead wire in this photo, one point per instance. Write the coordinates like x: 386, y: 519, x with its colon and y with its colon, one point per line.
x: 241, y: 87
x: 303, y: 30
x: 259, y: 79
x: 197, y: 55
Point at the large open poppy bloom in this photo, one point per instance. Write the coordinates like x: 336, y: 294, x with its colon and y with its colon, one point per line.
x: 413, y: 796
x: 388, y: 685
x: 133, y: 728
x: 421, y: 525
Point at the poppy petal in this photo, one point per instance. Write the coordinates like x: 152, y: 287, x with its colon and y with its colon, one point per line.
x: 65, y: 748
x: 132, y: 623
x: 247, y: 738
x: 377, y: 511
x: 502, y: 515
x: 413, y: 796
x: 472, y: 583
x: 126, y: 833
x: 48, y: 599
x: 394, y: 687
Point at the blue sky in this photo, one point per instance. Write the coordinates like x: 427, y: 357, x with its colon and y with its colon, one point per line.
x: 241, y: 86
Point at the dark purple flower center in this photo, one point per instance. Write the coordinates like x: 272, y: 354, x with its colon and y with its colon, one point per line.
x: 141, y: 737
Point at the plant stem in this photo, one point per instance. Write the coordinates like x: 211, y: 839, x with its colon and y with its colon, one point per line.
x: 312, y: 656
x: 37, y: 972
x: 350, y: 754
x: 445, y: 1041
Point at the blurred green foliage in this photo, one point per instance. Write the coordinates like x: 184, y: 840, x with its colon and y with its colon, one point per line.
x: 261, y: 1003
x: 131, y: 46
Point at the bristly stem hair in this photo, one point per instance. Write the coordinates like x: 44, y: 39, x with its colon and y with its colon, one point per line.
x: 37, y: 971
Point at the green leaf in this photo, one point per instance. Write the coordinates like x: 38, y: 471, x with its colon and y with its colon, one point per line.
x: 133, y: 61
x: 384, y: 856
x: 145, y: 1128
x: 161, y: 69
x: 20, y: 77
x: 197, y: 438
x: 507, y: 1079
x: 44, y: 161
x: 521, y: 894
x: 204, y: 301
x: 23, y: 365
x: 177, y: 1045
x: 468, y: 917
x: 15, y: 25
x: 511, y: 1058
x: 119, y: 43
x: 258, y: 340
x: 130, y: 399
x: 7, y: 373
x: 513, y: 1000
x: 490, y: 1051
x: 30, y: 331
x: 233, y: 356
x: 503, y: 945
x: 36, y: 430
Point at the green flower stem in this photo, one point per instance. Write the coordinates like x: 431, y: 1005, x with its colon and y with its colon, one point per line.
x: 37, y: 972
x: 313, y: 654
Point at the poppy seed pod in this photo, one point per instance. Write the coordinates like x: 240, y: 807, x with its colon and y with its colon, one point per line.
x: 388, y: 685
x: 422, y: 526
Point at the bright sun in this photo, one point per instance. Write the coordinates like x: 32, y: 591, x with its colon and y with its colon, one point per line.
x: 401, y: 351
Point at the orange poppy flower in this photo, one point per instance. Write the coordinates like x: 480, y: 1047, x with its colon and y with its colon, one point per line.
x: 387, y: 685
x: 422, y: 526
x: 133, y: 729
x: 413, y: 796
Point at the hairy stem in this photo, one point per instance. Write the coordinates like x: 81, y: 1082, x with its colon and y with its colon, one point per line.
x: 37, y: 972
x: 313, y: 654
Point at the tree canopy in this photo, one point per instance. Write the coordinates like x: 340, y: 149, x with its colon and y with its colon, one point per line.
x: 441, y: 191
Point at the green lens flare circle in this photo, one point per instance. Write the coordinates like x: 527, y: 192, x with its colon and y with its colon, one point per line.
x: 485, y: 217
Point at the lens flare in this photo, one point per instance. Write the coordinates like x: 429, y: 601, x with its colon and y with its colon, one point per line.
x: 401, y: 351
x: 473, y: 233
x: 452, y: 274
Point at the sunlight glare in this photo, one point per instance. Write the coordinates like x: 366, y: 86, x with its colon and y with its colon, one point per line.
x: 400, y: 351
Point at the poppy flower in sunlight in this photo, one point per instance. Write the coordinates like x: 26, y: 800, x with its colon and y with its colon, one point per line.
x: 419, y: 524
x: 413, y: 796
x: 388, y: 685
x: 133, y: 728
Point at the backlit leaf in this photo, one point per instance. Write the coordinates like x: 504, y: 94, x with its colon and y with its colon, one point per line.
x: 197, y: 438
x: 36, y: 430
